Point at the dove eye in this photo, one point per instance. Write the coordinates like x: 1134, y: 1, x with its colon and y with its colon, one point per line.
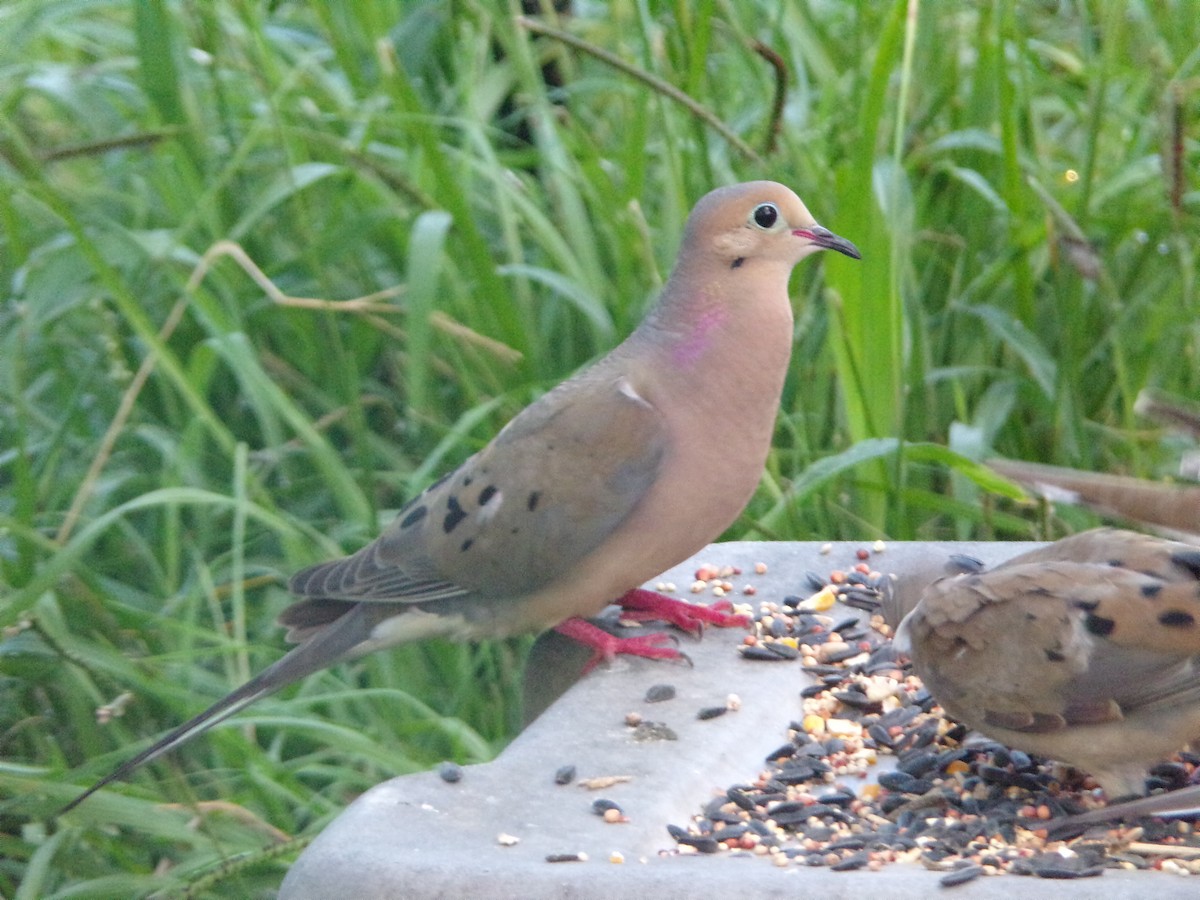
x: 765, y: 215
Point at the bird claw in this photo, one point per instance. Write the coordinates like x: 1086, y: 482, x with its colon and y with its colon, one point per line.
x: 606, y: 647
x: 642, y: 605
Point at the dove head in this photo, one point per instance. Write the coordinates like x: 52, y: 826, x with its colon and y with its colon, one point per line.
x: 757, y: 223
x: 729, y: 286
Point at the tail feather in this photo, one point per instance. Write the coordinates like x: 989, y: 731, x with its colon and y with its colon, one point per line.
x: 1182, y: 802
x: 1174, y: 507
x: 336, y: 642
x: 901, y: 594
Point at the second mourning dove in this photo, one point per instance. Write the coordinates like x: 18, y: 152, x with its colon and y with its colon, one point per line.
x: 604, y: 482
x: 1086, y: 650
x: 1165, y: 507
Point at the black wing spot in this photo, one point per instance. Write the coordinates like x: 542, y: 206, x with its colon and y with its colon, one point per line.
x: 534, y: 497
x: 487, y: 494
x: 466, y: 545
x: 413, y: 517
x: 1151, y: 589
x: 454, y: 514
x: 1055, y: 656
x: 737, y: 263
x: 1188, y: 559
x: 1099, y: 625
x: 1176, y: 618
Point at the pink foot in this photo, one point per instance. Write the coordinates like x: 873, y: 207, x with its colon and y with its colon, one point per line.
x: 606, y: 646
x: 642, y: 605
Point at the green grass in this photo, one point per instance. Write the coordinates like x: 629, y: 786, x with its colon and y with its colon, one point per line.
x: 178, y: 433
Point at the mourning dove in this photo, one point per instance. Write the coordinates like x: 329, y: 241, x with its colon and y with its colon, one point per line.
x: 1086, y: 650
x: 1169, y: 411
x: 1171, y: 508
x: 603, y: 483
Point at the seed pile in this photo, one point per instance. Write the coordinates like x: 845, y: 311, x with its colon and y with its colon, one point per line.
x: 965, y: 808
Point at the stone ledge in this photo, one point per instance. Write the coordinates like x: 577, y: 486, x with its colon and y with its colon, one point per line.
x: 419, y: 837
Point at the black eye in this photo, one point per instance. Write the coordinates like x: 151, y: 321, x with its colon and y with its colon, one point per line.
x: 765, y: 215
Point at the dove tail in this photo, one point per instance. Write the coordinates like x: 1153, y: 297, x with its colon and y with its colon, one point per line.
x: 334, y: 643
x: 1181, y: 802
x: 900, y: 595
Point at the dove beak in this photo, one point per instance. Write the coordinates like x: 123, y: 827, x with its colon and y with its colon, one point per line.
x: 827, y: 240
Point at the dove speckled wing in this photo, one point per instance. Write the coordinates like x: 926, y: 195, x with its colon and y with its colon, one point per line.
x: 1085, y: 650
x: 556, y: 482
x: 600, y: 485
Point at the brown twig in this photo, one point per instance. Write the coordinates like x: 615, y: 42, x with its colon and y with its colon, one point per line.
x: 775, y: 123
x: 106, y: 145
x: 663, y: 87
x: 369, y: 306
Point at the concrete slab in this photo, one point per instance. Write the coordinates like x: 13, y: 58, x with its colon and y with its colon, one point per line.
x: 419, y: 837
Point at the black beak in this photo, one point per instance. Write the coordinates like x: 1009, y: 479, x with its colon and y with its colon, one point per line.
x: 826, y: 239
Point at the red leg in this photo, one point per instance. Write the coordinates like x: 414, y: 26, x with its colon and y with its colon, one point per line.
x: 642, y: 605
x: 607, y: 646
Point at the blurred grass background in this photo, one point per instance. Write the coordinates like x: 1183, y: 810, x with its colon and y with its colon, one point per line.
x: 193, y: 405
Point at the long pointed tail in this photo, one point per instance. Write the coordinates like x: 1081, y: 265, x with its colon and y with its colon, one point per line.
x: 333, y: 643
x: 901, y: 594
x: 1184, y: 801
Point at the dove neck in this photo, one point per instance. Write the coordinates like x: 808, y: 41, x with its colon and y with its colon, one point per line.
x: 728, y: 318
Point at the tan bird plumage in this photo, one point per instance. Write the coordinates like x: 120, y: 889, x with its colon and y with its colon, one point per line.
x: 1086, y: 650
x: 603, y: 483
x: 1169, y: 508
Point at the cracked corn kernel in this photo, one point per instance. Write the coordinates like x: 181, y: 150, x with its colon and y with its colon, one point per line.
x: 820, y: 601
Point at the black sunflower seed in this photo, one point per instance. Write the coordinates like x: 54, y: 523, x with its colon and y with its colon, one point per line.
x: 564, y: 775
x: 960, y: 876
x: 657, y: 693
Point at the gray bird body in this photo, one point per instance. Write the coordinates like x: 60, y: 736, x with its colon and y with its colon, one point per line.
x: 617, y: 474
